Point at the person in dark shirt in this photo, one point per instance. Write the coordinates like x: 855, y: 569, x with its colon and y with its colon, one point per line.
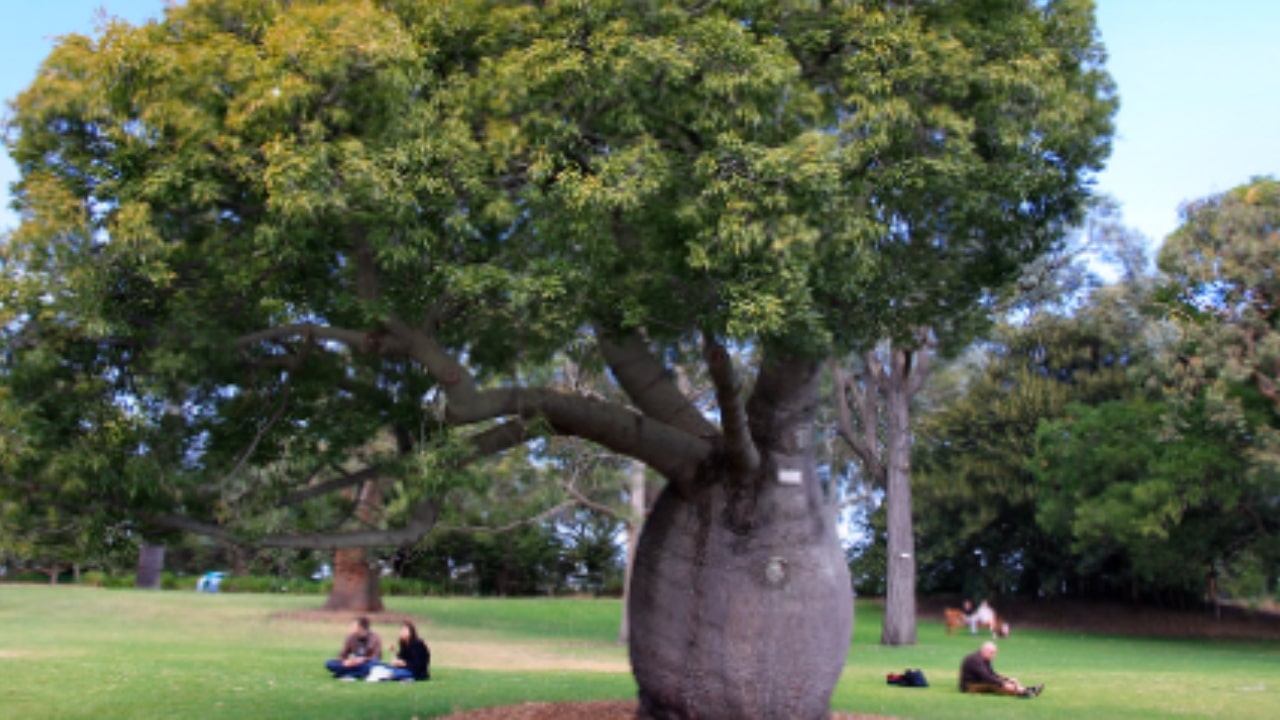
x: 413, y: 661
x: 361, y: 650
x: 978, y: 676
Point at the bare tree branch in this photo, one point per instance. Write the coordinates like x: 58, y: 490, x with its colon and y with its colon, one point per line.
x: 281, y: 404
x: 549, y: 512
x: 865, y: 447
x: 922, y: 362
x: 345, y: 480
x: 584, y: 501
x: 422, y: 520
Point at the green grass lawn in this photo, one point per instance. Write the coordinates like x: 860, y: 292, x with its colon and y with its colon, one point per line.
x: 84, y: 653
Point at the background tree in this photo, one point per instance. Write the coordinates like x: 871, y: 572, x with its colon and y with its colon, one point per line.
x: 978, y: 495
x: 1223, y: 292
x: 876, y: 398
x: 1066, y: 338
x: 288, y: 225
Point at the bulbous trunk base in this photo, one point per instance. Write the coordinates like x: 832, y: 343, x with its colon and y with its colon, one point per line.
x: 733, y: 620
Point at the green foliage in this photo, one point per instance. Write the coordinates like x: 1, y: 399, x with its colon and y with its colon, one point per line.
x: 1222, y: 293
x: 1159, y: 499
x: 976, y: 494
x: 525, y: 560
x: 1126, y: 450
x: 236, y: 219
x: 868, y: 560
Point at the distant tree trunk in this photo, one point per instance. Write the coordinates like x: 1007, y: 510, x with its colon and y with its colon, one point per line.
x: 639, y: 505
x: 880, y: 436
x: 355, y: 584
x: 150, y: 564
x: 900, y: 601
x: 356, y: 587
x: 740, y: 601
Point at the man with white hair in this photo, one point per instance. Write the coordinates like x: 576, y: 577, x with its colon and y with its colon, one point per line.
x: 978, y: 676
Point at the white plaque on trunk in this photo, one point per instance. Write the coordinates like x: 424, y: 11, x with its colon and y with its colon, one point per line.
x: 790, y: 477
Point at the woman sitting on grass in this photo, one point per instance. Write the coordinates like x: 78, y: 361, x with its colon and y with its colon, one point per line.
x: 413, y: 659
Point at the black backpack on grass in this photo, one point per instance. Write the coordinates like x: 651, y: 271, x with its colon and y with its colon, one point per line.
x: 908, y: 678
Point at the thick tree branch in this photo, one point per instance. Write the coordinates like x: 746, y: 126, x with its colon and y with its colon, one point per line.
x: 345, y: 480
x: 740, y: 448
x: 281, y: 403
x: 497, y: 439
x: 783, y: 402
x: 672, y: 452
x: 421, y: 521
x: 584, y: 501
x: 922, y: 365
x: 650, y: 385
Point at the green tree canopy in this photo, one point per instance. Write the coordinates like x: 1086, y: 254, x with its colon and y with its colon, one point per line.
x: 279, y: 227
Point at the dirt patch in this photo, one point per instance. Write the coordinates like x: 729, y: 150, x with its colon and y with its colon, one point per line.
x: 11, y: 654
x: 1119, y: 619
x: 611, y: 710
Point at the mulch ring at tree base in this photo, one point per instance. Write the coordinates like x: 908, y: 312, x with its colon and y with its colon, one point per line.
x: 603, y: 710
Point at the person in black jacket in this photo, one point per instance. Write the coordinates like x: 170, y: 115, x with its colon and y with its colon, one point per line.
x: 413, y: 659
x: 978, y: 676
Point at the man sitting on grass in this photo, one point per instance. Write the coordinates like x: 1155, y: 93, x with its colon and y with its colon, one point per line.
x: 360, y: 651
x: 977, y: 676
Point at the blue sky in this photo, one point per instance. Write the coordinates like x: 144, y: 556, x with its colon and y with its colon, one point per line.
x: 1199, y: 85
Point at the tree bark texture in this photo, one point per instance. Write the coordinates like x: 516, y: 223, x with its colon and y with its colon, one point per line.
x: 150, y: 565
x: 900, y: 601
x: 355, y: 584
x: 740, y: 601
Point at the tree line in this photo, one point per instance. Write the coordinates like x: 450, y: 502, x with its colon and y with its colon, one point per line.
x: 1119, y: 440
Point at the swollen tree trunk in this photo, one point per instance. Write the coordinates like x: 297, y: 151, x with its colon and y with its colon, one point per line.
x: 900, y: 601
x: 355, y: 584
x: 741, y: 605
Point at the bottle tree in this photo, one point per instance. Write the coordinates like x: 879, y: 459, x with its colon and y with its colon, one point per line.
x: 275, y: 218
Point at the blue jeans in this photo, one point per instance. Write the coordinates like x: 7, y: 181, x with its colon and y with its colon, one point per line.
x: 356, y: 671
x: 397, y: 673
x: 401, y: 674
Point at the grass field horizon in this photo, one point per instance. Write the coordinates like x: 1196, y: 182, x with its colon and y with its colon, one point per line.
x: 74, y: 653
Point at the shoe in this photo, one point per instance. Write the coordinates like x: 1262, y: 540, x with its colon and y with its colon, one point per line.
x: 347, y: 678
x: 1038, y: 689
